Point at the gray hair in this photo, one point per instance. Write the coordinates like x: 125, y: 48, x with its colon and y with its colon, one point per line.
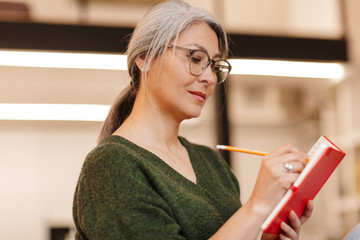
x: 161, y: 25
x: 164, y: 23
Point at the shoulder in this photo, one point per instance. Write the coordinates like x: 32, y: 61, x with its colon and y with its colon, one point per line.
x: 112, y: 168
x: 112, y: 158
x: 111, y: 145
x: 111, y: 150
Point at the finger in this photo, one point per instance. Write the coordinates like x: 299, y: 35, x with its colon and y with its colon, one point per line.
x: 298, y: 160
x: 283, y: 237
x: 297, y: 167
x: 298, y: 157
x: 295, y: 222
x: 286, y: 149
x: 288, y: 232
x: 308, y: 212
x: 287, y: 179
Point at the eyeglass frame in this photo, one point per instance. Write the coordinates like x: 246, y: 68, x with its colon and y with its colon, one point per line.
x: 210, y: 62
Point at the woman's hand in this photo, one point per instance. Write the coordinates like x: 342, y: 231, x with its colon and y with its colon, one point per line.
x: 292, y: 231
x: 274, y: 179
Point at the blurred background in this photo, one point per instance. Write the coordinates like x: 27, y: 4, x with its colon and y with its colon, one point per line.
x: 40, y: 159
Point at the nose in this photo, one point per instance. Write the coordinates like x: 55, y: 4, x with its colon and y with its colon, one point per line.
x: 208, y: 76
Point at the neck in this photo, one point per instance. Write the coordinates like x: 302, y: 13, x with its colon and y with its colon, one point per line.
x: 147, y: 126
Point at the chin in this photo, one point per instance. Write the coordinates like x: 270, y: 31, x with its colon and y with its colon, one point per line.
x: 191, y: 112
x: 194, y: 114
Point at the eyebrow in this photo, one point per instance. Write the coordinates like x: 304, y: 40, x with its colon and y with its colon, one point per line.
x: 218, y: 55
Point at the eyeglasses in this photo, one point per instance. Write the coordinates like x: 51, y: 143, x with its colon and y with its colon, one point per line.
x: 199, y: 60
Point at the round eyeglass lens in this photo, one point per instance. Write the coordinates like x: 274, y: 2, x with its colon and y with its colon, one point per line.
x: 198, y: 62
x: 221, y: 69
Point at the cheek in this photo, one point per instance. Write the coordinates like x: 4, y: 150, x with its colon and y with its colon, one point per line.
x: 156, y: 75
x: 211, y: 89
x: 176, y: 68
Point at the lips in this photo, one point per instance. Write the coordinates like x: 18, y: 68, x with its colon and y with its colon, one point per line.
x: 198, y: 95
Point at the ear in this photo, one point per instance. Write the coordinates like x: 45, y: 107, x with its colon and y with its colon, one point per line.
x: 140, y: 63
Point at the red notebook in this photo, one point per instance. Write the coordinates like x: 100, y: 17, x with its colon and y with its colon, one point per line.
x: 324, y: 158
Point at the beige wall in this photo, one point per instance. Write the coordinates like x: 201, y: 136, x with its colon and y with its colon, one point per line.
x: 40, y: 162
x: 320, y: 18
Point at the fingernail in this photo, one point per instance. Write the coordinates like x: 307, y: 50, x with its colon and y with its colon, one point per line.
x: 283, y: 225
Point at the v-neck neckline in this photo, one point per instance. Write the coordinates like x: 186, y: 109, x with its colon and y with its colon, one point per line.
x: 195, y: 162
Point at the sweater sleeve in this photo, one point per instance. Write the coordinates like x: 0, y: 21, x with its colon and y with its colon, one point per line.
x: 113, y: 200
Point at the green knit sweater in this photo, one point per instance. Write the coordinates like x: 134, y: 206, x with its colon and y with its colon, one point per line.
x: 127, y: 192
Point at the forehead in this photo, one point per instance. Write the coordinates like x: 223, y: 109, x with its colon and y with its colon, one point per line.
x: 200, y: 34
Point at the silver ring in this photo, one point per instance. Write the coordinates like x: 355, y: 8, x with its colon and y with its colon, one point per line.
x: 289, y: 167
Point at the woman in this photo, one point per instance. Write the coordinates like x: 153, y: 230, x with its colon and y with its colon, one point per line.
x: 143, y: 181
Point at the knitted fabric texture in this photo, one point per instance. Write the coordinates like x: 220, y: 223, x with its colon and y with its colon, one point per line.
x: 127, y: 192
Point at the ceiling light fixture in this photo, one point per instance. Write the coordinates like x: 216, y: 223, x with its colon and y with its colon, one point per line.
x: 334, y: 71
x: 326, y: 70
x: 63, y: 60
x: 55, y: 112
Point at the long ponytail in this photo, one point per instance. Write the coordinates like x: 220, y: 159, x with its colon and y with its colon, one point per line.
x: 119, y: 111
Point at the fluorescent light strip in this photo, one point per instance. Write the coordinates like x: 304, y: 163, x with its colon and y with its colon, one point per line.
x: 55, y: 112
x: 119, y: 62
x: 63, y: 60
x: 333, y: 71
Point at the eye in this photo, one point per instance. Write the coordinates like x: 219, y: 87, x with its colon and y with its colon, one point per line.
x: 195, y: 59
x: 198, y: 57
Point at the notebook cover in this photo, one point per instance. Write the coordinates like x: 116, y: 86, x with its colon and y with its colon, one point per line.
x: 297, y: 197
